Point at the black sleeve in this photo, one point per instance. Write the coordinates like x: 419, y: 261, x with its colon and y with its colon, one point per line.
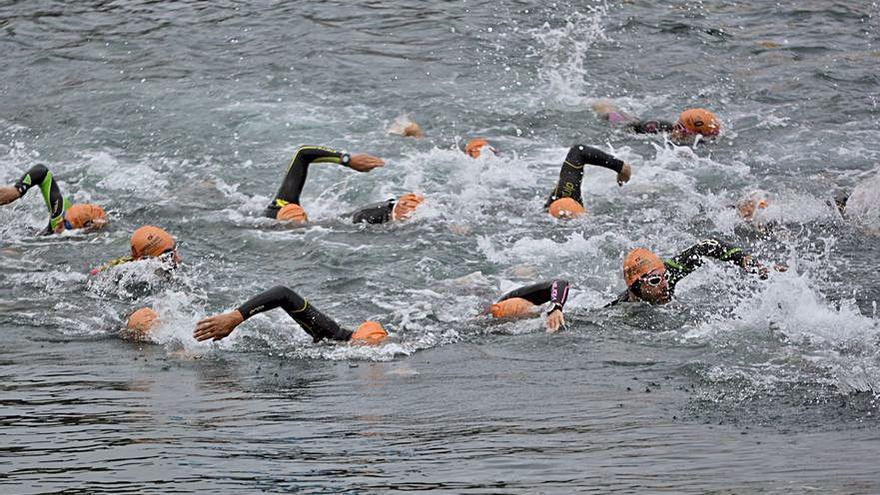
x: 295, y: 180
x: 374, y: 213
x: 41, y: 177
x: 315, y: 323
x: 650, y: 126
x: 572, y: 173
x: 692, y: 258
x: 553, y: 291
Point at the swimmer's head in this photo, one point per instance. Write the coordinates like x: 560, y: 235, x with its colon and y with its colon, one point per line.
x: 645, y: 276
x: 406, y: 205
x: 141, y: 323
x: 695, y: 121
x: 476, y: 145
x: 292, y: 213
x: 84, y: 216
x: 748, y: 206
x: 566, y: 208
x: 514, y: 307
x: 151, y: 242
x: 370, y: 332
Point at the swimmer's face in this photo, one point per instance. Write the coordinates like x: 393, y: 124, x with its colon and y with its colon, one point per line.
x: 653, y: 287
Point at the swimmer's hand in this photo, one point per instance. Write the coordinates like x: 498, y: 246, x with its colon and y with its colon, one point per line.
x: 624, y: 174
x: 363, y: 162
x: 8, y: 194
x: 218, y: 326
x: 555, y: 321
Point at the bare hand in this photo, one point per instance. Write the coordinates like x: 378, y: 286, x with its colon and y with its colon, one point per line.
x: 363, y: 162
x: 555, y: 321
x: 624, y: 174
x: 8, y: 194
x: 218, y: 326
x: 413, y: 130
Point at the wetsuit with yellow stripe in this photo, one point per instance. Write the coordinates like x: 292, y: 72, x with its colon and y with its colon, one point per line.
x: 572, y: 173
x: 40, y: 176
x: 684, y: 263
x: 292, y: 186
x: 315, y: 323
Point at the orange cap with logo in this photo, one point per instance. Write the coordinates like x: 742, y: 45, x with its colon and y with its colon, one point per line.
x: 150, y: 241
x: 566, y: 208
x: 141, y: 322
x: 406, y: 205
x: 370, y: 332
x: 292, y: 213
x: 699, y: 121
x: 83, y: 215
x: 514, y: 307
x: 638, y: 263
x: 474, y: 146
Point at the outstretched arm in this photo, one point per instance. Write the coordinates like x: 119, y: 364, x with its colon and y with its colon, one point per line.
x: 572, y: 173
x: 650, y: 126
x: 295, y: 179
x: 691, y: 258
x: 40, y: 176
x: 315, y: 323
x: 553, y: 291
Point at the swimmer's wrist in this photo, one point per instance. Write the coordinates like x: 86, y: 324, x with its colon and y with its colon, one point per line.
x: 556, y: 307
x: 345, y: 159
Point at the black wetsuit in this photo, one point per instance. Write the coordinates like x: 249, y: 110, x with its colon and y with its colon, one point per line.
x: 553, y: 291
x: 650, y: 126
x: 40, y: 176
x: 691, y: 258
x: 315, y: 323
x: 292, y: 186
x: 572, y: 173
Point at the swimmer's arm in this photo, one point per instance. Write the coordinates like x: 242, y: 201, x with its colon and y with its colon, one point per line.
x: 40, y: 176
x: 650, y: 126
x: 315, y: 323
x: 580, y: 155
x: 111, y: 263
x: 691, y: 258
x: 553, y: 291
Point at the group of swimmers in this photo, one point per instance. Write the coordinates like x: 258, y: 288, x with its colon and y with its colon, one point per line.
x: 647, y: 277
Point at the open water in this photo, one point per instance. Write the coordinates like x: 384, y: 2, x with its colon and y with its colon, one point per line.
x: 185, y: 114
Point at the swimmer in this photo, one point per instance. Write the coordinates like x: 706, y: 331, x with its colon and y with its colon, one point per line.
x: 691, y: 123
x: 147, y: 242
x: 474, y: 147
x: 650, y: 279
x: 565, y: 201
x: 526, y: 302
x: 286, y: 205
x: 403, y: 126
x: 315, y: 323
x: 62, y: 214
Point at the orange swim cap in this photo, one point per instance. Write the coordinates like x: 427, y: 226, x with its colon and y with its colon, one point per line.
x: 566, y: 208
x: 292, y: 213
x: 82, y: 215
x: 141, y: 322
x: 406, y: 205
x: 370, y: 332
x: 515, y: 307
x: 638, y: 263
x: 747, y: 207
x: 150, y: 241
x: 474, y: 146
x: 699, y: 121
